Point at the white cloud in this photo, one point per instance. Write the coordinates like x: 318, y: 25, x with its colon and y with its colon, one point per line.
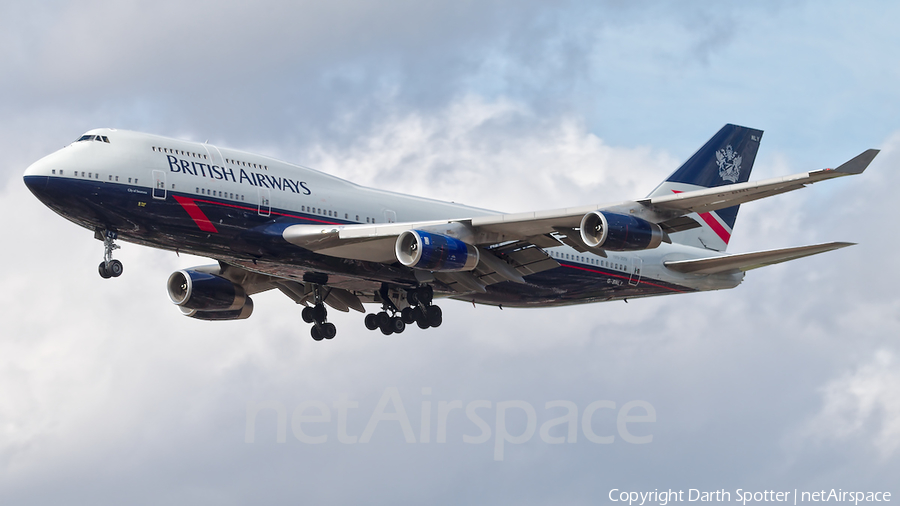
x: 863, y: 404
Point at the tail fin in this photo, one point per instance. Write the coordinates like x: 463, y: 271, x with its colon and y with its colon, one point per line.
x: 725, y: 159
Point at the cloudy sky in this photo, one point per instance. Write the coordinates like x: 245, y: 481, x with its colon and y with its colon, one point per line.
x: 790, y: 381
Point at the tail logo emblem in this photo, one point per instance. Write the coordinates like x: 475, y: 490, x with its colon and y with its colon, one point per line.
x: 729, y: 163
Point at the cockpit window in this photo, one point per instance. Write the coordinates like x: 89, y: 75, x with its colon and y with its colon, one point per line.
x: 99, y: 138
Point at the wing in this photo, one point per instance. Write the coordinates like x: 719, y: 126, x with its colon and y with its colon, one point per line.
x: 510, y: 244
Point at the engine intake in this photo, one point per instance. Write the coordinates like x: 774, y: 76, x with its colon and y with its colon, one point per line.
x: 204, y: 292
x: 619, y: 232
x: 435, y: 252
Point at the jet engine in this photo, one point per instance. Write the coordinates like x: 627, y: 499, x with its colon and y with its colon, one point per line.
x: 619, y: 232
x: 435, y: 252
x: 201, y: 294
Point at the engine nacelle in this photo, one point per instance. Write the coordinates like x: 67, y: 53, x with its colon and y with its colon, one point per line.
x: 204, y: 292
x: 435, y: 252
x: 619, y: 232
x: 237, y: 314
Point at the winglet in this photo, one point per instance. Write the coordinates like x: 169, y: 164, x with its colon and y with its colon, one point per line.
x: 859, y: 163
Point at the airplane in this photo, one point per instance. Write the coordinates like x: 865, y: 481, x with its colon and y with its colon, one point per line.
x: 322, y: 240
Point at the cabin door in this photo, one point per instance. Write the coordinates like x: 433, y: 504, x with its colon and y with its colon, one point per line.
x: 265, y: 206
x: 159, y: 185
x: 636, y: 264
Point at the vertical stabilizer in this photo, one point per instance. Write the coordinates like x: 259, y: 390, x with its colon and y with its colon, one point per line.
x: 725, y: 159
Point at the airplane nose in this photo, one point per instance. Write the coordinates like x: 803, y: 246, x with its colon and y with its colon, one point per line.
x: 36, y: 177
x: 36, y: 183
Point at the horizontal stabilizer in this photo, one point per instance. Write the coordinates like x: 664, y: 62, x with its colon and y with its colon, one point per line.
x: 859, y: 163
x: 748, y: 261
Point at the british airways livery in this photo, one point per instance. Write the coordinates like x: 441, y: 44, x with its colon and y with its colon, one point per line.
x: 322, y: 241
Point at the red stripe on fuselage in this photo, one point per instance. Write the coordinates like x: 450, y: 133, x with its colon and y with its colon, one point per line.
x: 641, y: 282
x: 196, y: 214
x: 276, y: 213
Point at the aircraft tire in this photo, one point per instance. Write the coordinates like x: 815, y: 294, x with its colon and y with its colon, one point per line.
x: 328, y: 331
x: 435, y: 316
x: 115, y: 268
x: 397, y: 325
x: 371, y: 321
x: 103, y: 272
x: 319, y: 313
x: 307, y: 314
x: 315, y: 333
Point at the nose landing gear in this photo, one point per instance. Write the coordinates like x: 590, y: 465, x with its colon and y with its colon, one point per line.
x: 109, y: 268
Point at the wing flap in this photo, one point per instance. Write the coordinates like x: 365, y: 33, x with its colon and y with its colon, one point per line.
x: 748, y: 261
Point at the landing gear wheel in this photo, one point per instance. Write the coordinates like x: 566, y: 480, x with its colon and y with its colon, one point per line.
x: 307, y: 314
x: 371, y: 321
x: 316, y: 333
x: 383, y: 319
x: 328, y: 330
x: 397, y: 325
x: 408, y: 315
x: 386, y: 329
x: 425, y: 294
x: 319, y: 313
x: 435, y: 316
x: 421, y: 315
x: 103, y: 272
x: 115, y: 268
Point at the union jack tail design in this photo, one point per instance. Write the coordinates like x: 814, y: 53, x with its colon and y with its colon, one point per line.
x: 725, y: 159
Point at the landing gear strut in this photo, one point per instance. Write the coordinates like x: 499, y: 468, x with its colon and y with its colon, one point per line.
x: 109, y: 268
x: 316, y: 315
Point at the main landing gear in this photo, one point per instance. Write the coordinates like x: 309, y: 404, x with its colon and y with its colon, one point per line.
x: 316, y: 315
x: 419, y: 311
x: 109, y: 268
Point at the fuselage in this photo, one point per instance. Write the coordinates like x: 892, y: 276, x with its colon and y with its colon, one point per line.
x: 232, y: 206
